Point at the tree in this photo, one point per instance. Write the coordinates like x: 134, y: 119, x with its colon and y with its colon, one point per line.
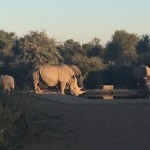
x: 88, y: 64
x: 37, y: 48
x: 93, y: 48
x: 143, y: 44
x: 143, y: 50
x: 70, y: 49
x: 7, y: 41
x: 122, y: 48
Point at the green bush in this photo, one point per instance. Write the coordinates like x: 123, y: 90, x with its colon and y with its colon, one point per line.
x: 119, y: 76
x: 12, y: 123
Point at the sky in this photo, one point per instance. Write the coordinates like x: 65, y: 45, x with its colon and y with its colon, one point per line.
x: 80, y: 20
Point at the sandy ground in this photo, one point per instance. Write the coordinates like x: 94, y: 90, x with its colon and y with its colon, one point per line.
x: 94, y: 126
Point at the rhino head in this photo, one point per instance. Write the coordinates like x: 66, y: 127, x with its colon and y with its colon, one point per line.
x: 74, y: 89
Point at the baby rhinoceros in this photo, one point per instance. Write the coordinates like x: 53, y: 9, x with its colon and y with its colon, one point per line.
x: 7, y: 83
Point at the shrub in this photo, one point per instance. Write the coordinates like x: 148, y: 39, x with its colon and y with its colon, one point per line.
x: 12, y: 123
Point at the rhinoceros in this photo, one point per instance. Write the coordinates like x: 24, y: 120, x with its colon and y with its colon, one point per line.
x: 54, y: 75
x: 7, y: 82
x: 78, y: 75
x: 142, y: 76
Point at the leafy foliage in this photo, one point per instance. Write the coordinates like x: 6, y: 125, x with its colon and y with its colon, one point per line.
x: 93, y: 48
x: 143, y: 45
x: 88, y: 64
x: 119, y: 76
x: 70, y: 49
x: 12, y: 125
x: 6, y: 44
x: 143, y: 50
x: 122, y: 48
x: 37, y: 49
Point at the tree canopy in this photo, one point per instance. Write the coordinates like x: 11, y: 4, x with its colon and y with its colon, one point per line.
x: 122, y: 48
x: 7, y: 40
x: 37, y: 48
x: 143, y: 50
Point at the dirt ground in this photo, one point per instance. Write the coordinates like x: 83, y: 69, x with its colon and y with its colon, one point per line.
x: 90, y: 126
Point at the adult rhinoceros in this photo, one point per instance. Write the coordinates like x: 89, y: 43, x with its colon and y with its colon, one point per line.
x: 7, y: 82
x: 142, y: 75
x: 54, y: 75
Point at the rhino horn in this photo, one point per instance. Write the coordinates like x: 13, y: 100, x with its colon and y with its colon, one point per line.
x: 81, y: 92
x: 80, y: 88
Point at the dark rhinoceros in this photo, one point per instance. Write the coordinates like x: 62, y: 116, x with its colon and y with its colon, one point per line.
x: 77, y: 73
x: 142, y: 76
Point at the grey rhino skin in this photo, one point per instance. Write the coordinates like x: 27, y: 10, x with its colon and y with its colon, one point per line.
x: 77, y: 73
x: 142, y: 76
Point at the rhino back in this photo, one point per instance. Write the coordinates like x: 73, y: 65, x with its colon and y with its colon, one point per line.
x: 49, y: 74
x: 140, y: 72
x: 65, y: 74
x: 7, y: 82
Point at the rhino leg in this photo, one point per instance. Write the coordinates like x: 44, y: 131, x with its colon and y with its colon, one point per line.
x: 37, y: 87
x: 62, y: 89
x: 147, y: 85
x: 39, y: 90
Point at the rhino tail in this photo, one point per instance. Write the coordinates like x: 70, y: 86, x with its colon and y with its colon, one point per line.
x: 36, y: 75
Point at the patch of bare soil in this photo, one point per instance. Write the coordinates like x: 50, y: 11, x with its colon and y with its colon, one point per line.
x: 60, y: 126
